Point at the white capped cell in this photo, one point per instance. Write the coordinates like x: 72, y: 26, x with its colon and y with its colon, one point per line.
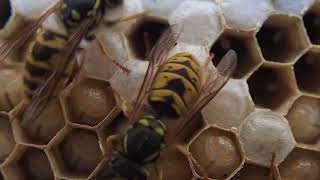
x: 200, y: 20
x: 231, y: 105
x: 245, y: 14
x: 263, y: 133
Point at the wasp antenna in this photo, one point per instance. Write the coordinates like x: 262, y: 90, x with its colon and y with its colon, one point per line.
x: 126, y: 18
x: 105, y: 52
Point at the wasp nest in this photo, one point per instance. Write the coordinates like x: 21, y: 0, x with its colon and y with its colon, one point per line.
x: 271, y: 104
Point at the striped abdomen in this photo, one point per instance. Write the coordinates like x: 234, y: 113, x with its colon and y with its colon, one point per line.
x: 39, y: 61
x: 176, y: 86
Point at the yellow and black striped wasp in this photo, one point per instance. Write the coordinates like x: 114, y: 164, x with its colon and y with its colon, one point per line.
x: 49, y: 64
x: 48, y: 43
x: 176, y: 87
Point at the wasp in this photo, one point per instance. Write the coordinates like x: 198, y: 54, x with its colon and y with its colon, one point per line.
x: 174, y: 87
x: 49, y: 65
x: 72, y: 13
x: 39, y: 59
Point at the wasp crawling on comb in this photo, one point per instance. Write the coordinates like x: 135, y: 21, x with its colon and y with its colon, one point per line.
x: 49, y: 65
x: 175, y: 87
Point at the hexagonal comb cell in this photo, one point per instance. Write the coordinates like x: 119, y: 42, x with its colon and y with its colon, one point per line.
x: 270, y: 133
x: 188, y: 132
x: 245, y: 46
x: 230, y: 107
x: 29, y: 163
x: 312, y: 23
x: 45, y: 127
x: 217, y: 151
x: 90, y: 101
x: 7, y: 142
x: 304, y: 119
x: 282, y: 38
x: 78, y: 154
x: 301, y: 164
x: 5, y: 12
x: 11, y: 91
x: 272, y: 87
x: 307, y: 71
x: 252, y: 172
x: 173, y: 165
x: 153, y: 27
x: 104, y: 171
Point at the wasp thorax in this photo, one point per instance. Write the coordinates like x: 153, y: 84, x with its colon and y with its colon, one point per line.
x: 218, y: 152
x: 144, y: 140
x: 74, y: 11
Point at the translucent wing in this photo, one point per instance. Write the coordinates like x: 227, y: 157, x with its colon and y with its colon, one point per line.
x: 213, y: 85
x: 27, y: 32
x: 158, y: 55
x: 43, y: 94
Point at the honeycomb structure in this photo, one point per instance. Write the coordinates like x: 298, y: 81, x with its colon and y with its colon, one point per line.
x: 271, y: 104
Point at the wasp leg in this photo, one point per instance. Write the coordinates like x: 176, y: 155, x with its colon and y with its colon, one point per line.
x: 273, y: 167
x: 159, y: 172
x: 103, y: 49
x: 111, y: 143
x: 125, y: 18
x: 202, y: 171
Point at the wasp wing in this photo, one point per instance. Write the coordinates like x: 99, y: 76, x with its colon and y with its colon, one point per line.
x: 44, y: 93
x: 214, y: 84
x: 158, y: 55
x: 22, y: 37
